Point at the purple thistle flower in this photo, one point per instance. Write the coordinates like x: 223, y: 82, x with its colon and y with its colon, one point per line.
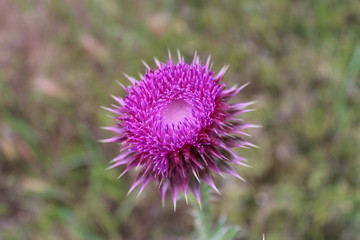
x: 176, y: 125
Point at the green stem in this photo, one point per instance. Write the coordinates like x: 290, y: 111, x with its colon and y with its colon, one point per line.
x: 203, y: 215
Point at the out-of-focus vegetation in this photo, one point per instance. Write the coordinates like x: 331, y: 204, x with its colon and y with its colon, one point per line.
x: 60, y: 60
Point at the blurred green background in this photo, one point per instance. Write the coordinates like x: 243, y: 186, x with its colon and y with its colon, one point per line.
x: 60, y: 60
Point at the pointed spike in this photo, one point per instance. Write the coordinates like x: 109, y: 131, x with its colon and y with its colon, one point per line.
x: 238, y: 112
x: 208, y: 60
x: 243, y: 86
x: 246, y: 143
x: 122, y: 174
x: 163, y: 191
x: 228, y: 170
x: 179, y: 56
x: 139, y: 193
x: 113, y: 117
x: 131, y: 79
x: 107, y: 140
x: 158, y: 63
x: 115, y: 165
x: 115, y: 128
x: 109, y: 109
x: 115, y: 106
x: 184, y: 188
x: 209, y: 181
x: 231, y: 90
x: 146, y: 65
x: 131, y: 165
x: 247, y: 110
x: 134, y: 185
x: 160, y: 183
x: 239, y: 177
x: 118, y: 163
x: 195, y: 60
x: 119, y: 100
x: 243, y: 164
x: 122, y: 155
x: 222, y: 72
x: 130, y: 191
x: 242, y: 133
x: 195, y: 189
x: 247, y: 125
x: 241, y: 106
x: 144, y: 184
x: 169, y: 55
x: 174, y: 193
x: 122, y: 85
x: 174, y: 201
x: 235, y: 158
x: 196, y: 176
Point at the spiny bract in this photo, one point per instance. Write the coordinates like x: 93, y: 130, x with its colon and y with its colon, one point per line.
x: 176, y: 125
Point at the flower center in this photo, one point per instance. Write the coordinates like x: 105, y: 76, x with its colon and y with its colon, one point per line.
x: 176, y: 111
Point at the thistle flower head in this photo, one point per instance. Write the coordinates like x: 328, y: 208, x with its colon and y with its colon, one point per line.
x: 178, y: 127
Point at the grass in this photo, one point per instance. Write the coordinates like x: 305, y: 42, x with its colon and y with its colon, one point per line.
x: 60, y: 60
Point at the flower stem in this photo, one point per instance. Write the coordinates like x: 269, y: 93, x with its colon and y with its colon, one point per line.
x: 203, y: 215
x: 205, y: 227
